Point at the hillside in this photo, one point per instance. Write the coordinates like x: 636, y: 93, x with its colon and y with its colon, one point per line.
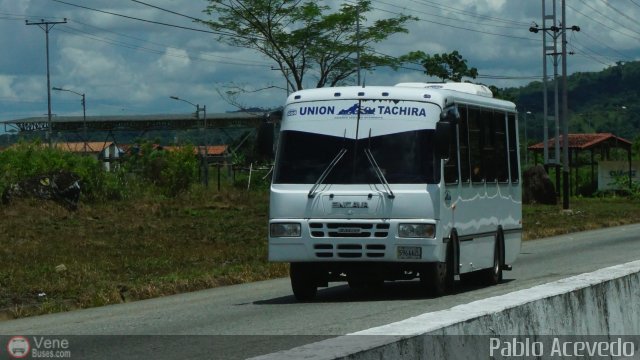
x: 605, y: 101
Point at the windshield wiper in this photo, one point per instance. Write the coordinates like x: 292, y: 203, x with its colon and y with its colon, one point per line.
x: 326, y: 171
x: 379, y: 173
x: 377, y: 170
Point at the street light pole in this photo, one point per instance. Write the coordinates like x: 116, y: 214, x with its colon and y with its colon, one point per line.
x: 84, y: 114
x: 204, y: 163
x: 526, y: 141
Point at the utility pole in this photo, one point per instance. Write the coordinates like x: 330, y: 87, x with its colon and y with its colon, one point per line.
x: 550, y: 30
x: 565, y: 118
x: 562, y: 29
x: 47, y: 26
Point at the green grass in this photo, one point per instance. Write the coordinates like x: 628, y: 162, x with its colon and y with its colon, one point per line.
x: 130, y: 250
x: 585, y: 214
x: 154, y: 245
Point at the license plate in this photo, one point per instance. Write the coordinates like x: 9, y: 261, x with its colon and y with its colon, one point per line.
x: 409, y: 252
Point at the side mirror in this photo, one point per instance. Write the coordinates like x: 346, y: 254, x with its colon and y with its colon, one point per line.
x: 443, y: 139
x: 450, y: 115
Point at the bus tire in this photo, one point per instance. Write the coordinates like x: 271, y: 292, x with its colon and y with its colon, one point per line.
x: 303, y: 281
x: 493, y: 275
x: 438, y: 278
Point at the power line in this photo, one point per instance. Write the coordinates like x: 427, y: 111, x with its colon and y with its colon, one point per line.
x: 634, y: 21
x: 154, y: 22
x: 79, y: 32
x: 456, y: 27
x: 482, y: 76
x: 601, y: 23
x: 166, y: 10
x: 581, y: 51
x: 605, y: 45
x: 454, y: 19
x: 472, y: 14
x: 168, y: 46
x: 231, y: 61
x: 22, y: 16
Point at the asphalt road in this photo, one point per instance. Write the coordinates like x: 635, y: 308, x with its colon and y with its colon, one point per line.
x: 263, y: 317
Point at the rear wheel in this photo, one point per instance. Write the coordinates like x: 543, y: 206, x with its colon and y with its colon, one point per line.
x: 493, y: 275
x: 303, y: 281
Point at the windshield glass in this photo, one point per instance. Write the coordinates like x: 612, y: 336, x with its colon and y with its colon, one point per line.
x: 404, y: 158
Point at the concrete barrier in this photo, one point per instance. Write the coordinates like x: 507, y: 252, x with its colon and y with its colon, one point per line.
x: 605, y: 302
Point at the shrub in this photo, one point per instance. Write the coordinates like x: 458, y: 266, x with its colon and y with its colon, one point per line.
x: 625, y: 187
x: 169, y: 172
x: 26, y: 160
x: 172, y: 172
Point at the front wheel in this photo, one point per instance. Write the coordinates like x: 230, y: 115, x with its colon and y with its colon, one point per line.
x: 303, y: 281
x: 433, y: 278
x: 438, y: 278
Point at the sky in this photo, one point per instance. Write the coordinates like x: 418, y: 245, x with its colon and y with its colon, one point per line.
x: 128, y: 66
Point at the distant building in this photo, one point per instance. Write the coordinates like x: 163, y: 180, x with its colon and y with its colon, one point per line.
x: 600, y: 146
x: 108, y: 152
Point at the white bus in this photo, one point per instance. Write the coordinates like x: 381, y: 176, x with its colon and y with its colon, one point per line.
x: 375, y: 184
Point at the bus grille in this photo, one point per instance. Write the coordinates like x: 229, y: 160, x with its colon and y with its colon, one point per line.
x: 348, y: 230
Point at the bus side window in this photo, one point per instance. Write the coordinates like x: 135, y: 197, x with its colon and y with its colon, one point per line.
x: 513, y: 148
x: 475, y: 123
x: 502, y: 164
x: 463, y: 140
x: 488, y: 149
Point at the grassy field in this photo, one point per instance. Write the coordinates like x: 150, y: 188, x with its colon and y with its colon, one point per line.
x: 55, y: 260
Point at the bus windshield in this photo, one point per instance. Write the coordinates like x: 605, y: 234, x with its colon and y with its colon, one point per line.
x: 403, y: 158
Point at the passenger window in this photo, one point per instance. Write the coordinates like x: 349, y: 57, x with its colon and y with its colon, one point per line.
x: 500, y: 145
x: 488, y: 148
x: 513, y: 148
x: 463, y: 140
x: 475, y: 124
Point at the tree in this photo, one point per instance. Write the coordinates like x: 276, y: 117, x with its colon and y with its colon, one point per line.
x: 303, y: 37
x: 444, y: 66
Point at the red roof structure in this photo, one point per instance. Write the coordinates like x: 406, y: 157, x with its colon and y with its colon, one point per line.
x: 603, y: 142
x: 211, y: 150
x: 78, y: 147
x: 585, y: 142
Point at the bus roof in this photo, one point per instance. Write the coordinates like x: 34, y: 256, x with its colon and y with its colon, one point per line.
x: 469, y: 88
x: 442, y: 94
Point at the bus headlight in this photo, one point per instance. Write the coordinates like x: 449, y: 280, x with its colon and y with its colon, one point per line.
x: 285, y: 230
x: 416, y: 230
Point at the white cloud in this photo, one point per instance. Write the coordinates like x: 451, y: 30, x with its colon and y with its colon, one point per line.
x: 127, y: 64
x: 6, y: 87
x: 173, y: 61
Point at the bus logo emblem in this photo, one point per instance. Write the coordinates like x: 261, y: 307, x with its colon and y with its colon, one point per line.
x: 350, y: 205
